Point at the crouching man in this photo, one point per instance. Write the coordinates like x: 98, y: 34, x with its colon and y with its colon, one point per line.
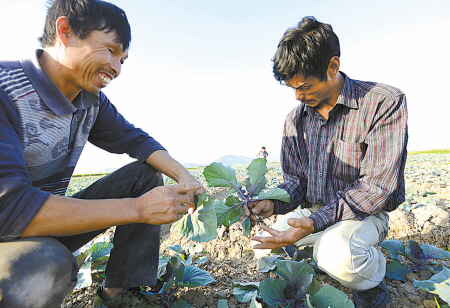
x: 343, y: 158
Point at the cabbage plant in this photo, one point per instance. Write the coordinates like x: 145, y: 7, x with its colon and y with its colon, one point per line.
x: 231, y: 210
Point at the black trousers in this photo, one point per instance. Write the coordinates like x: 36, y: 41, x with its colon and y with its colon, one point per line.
x: 41, y: 271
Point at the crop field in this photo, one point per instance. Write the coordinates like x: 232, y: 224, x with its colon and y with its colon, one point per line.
x: 421, y: 220
x: 426, y: 172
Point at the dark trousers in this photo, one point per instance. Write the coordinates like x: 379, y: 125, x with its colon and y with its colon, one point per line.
x: 41, y: 271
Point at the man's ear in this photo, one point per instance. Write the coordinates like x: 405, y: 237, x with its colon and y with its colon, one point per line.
x: 333, y: 66
x: 63, y: 30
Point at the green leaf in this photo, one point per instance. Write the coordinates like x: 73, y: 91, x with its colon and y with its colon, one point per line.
x: 227, y: 215
x: 192, y: 276
x: 295, y: 273
x: 247, y: 225
x: 272, y: 292
x: 438, y: 284
x: 314, y: 287
x: 256, y: 180
x: 222, y: 304
x: 177, y: 248
x: 254, y: 303
x: 329, y: 296
x: 232, y: 201
x: 180, y: 304
x: 267, y: 263
x: 99, y: 250
x: 432, y: 252
x: 217, y: 175
x: 275, y: 194
x: 243, y: 292
x: 398, y: 271
x: 394, y: 247
x: 201, y: 226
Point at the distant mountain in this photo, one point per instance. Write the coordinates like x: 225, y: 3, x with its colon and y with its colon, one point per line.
x: 231, y: 160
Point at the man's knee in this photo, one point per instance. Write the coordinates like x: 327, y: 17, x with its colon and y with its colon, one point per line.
x: 35, y: 272
x: 349, y: 257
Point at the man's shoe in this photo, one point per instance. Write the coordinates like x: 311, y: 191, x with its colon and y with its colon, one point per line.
x: 129, y: 297
x: 377, y: 297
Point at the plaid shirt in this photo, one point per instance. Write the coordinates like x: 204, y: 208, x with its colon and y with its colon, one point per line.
x: 353, y: 163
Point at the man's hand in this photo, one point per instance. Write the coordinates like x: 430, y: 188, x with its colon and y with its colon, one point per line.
x: 301, y: 227
x: 262, y: 208
x: 192, y: 194
x: 166, y: 204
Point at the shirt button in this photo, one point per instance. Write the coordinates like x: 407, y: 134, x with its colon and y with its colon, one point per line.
x: 320, y: 200
x: 320, y: 173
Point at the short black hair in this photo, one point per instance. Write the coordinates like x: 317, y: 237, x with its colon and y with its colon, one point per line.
x: 306, y: 50
x: 85, y: 16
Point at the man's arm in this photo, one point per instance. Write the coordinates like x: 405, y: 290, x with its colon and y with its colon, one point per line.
x: 161, y: 205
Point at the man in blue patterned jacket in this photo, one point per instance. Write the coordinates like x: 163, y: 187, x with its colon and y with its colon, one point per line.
x: 343, y: 157
x: 50, y: 106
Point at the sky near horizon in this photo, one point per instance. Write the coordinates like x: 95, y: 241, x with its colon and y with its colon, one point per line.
x: 199, y: 73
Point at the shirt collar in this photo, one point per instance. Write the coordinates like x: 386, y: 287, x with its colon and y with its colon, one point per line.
x: 347, y: 97
x: 49, y: 93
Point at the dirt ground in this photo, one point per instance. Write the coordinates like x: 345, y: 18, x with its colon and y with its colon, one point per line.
x: 231, y: 259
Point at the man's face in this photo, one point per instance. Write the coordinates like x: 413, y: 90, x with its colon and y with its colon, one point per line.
x: 94, y: 61
x: 311, y: 90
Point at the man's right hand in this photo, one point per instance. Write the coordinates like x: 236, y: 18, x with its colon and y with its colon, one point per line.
x: 165, y: 204
x: 262, y: 208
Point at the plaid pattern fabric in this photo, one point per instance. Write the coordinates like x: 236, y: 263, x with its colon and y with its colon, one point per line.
x: 353, y: 163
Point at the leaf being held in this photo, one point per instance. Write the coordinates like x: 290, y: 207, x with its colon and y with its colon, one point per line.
x: 256, y: 180
x: 218, y: 175
x: 247, y: 225
x: 200, y: 226
x: 227, y: 215
x: 275, y: 194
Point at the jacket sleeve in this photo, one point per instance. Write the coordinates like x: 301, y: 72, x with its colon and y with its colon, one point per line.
x: 114, y: 134
x: 19, y: 200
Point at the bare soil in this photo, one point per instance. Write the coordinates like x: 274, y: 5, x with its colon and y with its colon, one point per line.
x: 231, y: 259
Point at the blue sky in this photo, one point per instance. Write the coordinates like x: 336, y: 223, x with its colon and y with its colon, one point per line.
x: 199, y: 75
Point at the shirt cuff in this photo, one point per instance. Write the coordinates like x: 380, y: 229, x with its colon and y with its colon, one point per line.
x: 321, y: 220
x: 145, y: 149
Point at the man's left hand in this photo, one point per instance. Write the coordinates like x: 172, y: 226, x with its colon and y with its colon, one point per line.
x: 301, y: 227
x: 192, y: 194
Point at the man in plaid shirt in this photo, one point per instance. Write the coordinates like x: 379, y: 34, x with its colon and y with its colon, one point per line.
x: 343, y: 158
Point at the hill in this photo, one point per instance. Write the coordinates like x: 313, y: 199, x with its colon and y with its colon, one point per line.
x: 231, y: 160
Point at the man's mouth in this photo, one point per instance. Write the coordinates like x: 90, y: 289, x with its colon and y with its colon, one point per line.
x: 105, y: 79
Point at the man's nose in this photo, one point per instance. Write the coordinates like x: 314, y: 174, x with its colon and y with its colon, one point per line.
x: 299, y: 95
x: 116, y: 67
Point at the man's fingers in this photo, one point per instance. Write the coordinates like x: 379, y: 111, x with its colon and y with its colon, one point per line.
x: 187, y: 187
x: 270, y: 230
x: 295, y: 222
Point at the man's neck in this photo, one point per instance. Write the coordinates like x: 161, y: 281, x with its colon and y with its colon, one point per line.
x: 326, y: 107
x: 55, y: 71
